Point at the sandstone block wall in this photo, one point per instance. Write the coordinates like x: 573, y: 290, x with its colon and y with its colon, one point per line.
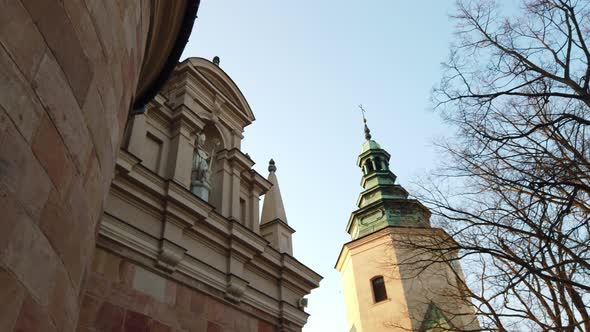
x: 68, y: 71
x: 124, y: 296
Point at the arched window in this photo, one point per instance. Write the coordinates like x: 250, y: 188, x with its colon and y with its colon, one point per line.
x: 369, y: 166
x: 378, y: 164
x: 378, y: 286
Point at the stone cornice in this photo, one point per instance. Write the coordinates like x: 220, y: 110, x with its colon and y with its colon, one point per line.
x: 381, y: 187
x: 382, y: 202
x: 237, y: 158
x: 257, y: 182
x: 368, y: 153
x: 279, y: 222
x: 389, y: 231
x: 196, y: 220
x: 130, y: 237
x: 297, y: 271
x: 195, y: 82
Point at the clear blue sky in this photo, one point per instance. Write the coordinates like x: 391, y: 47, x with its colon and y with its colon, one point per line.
x: 304, y: 66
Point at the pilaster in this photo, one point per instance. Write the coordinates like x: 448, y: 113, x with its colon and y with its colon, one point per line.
x: 184, y: 129
x: 137, y: 135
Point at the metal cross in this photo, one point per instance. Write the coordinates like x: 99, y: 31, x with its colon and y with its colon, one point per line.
x: 363, y: 111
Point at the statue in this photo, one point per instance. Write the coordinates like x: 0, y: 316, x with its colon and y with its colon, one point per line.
x: 201, y: 168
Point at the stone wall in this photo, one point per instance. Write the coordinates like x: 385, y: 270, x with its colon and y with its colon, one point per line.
x: 68, y: 71
x: 124, y: 296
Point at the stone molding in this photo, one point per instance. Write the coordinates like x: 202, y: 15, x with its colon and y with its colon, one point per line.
x: 187, y: 219
x: 390, y: 231
x: 170, y: 255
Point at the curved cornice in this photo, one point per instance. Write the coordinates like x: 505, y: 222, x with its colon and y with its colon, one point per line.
x: 229, y: 86
x: 171, y: 23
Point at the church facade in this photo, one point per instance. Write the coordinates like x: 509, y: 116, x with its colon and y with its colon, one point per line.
x: 394, y: 278
x: 181, y: 245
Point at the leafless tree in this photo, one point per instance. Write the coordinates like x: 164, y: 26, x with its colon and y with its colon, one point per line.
x: 515, y: 190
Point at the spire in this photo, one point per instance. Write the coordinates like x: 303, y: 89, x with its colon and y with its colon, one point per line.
x: 367, y: 130
x: 273, y: 208
x: 382, y: 203
x: 273, y: 222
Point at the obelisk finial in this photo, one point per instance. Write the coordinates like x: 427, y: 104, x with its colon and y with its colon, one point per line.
x: 367, y: 130
x: 271, y: 166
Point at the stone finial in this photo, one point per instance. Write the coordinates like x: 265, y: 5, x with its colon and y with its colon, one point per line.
x: 216, y: 60
x: 273, y: 221
x: 273, y: 202
x: 271, y: 166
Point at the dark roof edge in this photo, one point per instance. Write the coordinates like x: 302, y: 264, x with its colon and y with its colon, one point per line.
x: 184, y: 33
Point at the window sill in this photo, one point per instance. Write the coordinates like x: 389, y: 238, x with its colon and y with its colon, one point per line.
x: 381, y: 302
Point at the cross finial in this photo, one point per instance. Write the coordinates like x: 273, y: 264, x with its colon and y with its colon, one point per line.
x: 367, y: 130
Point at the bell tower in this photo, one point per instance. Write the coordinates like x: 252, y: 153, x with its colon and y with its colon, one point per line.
x: 392, y: 282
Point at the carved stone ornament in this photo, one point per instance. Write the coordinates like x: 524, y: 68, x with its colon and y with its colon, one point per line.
x: 170, y: 255
x: 201, y: 169
x: 236, y: 287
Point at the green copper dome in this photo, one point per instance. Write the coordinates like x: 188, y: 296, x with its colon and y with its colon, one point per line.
x: 382, y: 203
x: 370, y: 145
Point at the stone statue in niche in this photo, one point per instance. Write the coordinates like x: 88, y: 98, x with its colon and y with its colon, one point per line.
x: 201, y: 168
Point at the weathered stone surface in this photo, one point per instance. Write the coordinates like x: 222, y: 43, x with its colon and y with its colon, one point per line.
x: 17, y: 26
x: 265, y: 327
x: 109, y: 318
x: 199, y: 304
x: 63, y: 307
x: 136, y: 322
x: 84, y: 28
x: 59, y: 34
x: 156, y: 326
x: 93, y: 189
x: 244, y: 322
x: 126, y: 272
x: 82, y: 230
x: 33, y: 317
x: 98, y: 286
x: 216, y: 311
x: 149, y: 283
x: 192, y: 322
x: 212, y: 327
x: 68, y: 72
x: 89, y: 311
x: 166, y: 314
x: 20, y: 171
x: 12, y: 295
x: 51, y: 152
x: 95, y: 117
x: 59, y: 101
x: 18, y: 99
x: 27, y: 240
x: 170, y: 296
x: 183, y: 298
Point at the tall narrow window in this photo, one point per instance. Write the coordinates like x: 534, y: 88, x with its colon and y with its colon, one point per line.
x: 243, y: 211
x: 379, y: 292
x: 369, y: 166
x: 378, y: 164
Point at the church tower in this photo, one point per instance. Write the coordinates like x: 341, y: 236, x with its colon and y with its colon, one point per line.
x: 392, y: 279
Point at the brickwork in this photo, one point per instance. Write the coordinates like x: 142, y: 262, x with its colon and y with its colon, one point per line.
x: 68, y: 71
x: 113, y: 303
